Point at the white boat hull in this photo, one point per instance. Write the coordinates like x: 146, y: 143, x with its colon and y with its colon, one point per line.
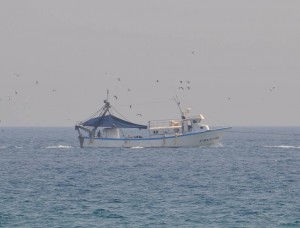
x: 195, y: 139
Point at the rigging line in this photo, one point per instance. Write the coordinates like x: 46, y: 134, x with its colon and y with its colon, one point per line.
x: 95, y: 114
x: 122, y: 132
x: 266, y: 133
x: 119, y: 114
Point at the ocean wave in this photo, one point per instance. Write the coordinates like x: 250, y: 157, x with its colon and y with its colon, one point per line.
x: 11, y: 147
x: 283, y: 146
x: 59, y: 147
x: 103, y: 213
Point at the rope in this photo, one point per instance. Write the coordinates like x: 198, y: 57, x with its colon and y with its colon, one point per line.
x: 95, y: 114
x: 119, y: 113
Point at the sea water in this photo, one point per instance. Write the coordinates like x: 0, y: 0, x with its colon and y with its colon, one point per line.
x: 251, y: 180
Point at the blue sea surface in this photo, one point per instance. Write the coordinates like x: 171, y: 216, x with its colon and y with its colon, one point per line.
x: 252, y: 180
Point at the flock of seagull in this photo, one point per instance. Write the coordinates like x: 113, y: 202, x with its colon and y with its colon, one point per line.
x: 183, y: 85
x: 9, y: 98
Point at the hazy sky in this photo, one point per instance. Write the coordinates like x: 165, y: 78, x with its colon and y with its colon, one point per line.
x: 58, y: 57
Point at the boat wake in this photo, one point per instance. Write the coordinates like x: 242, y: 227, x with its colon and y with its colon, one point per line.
x: 58, y: 147
x: 217, y: 144
x: 283, y: 146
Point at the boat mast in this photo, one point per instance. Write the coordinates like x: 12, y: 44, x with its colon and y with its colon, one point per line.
x: 107, y: 95
x: 107, y: 104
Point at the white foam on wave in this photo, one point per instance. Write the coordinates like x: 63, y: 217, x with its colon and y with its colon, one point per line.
x: 59, y: 147
x: 137, y: 147
x: 283, y: 146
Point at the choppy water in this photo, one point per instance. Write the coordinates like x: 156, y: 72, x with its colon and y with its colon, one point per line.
x: 46, y: 180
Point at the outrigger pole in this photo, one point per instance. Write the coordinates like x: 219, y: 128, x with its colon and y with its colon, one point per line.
x: 178, y: 104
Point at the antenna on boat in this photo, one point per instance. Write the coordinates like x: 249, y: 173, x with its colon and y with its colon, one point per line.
x: 178, y: 104
x: 107, y: 95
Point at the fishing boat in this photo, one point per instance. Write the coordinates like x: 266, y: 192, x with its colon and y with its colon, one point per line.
x: 106, y: 130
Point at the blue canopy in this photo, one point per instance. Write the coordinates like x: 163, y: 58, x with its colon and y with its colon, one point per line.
x: 111, y: 121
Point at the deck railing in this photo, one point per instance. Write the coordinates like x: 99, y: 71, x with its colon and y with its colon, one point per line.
x: 164, y: 124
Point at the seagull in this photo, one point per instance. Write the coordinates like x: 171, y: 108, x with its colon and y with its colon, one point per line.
x: 181, y: 88
x: 53, y: 90
x: 189, y: 87
x: 139, y: 115
x: 16, y: 92
x: 119, y: 79
x: 180, y: 81
x: 129, y: 90
x: 8, y: 97
x: 37, y: 82
x: 157, y: 80
x: 116, y: 97
x: 130, y: 106
x: 188, y: 82
x: 193, y: 52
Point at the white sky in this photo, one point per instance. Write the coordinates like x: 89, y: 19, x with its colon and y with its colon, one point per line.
x: 242, y: 59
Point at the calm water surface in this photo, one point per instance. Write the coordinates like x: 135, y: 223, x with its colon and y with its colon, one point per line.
x: 46, y: 180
